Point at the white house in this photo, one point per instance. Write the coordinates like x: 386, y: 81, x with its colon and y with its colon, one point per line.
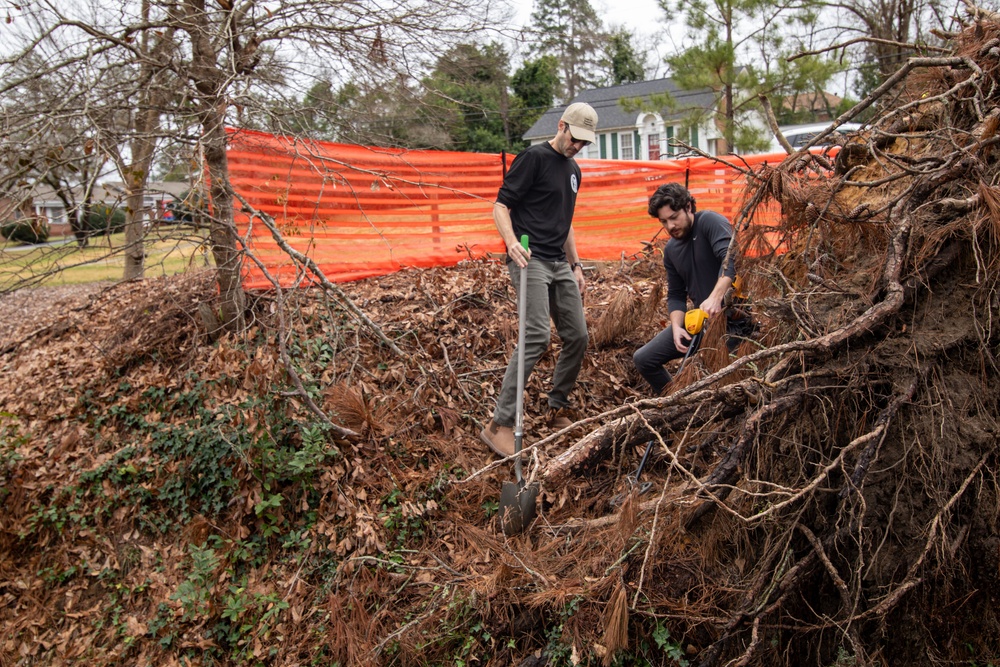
x: 648, y: 135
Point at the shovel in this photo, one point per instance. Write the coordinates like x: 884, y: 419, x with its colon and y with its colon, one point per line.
x: 517, y: 499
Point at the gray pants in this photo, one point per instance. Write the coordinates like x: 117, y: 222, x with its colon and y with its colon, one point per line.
x: 552, y: 292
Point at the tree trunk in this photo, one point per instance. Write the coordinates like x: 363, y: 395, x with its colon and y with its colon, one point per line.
x: 210, y: 79
x: 135, y: 252
x: 147, y: 121
x: 81, y: 226
x: 136, y: 180
x: 228, y: 258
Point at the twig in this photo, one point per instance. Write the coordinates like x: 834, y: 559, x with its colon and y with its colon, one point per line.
x: 869, y: 40
x: 772, y: 122
x: 287, y: 360
x: 444, y: 352
x: 316, y: 271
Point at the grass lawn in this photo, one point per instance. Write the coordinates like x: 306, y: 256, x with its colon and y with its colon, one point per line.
x: 168, y: 251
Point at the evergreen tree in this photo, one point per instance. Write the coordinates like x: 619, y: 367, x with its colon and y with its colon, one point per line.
x: 571, y: 31
x: 467, y: 97
x: 535, y: 85
x: 622, y: 60
x: 739, y: 50
x: 356, y: 112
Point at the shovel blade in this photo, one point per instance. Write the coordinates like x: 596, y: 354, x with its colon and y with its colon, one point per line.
x: 517, y: 506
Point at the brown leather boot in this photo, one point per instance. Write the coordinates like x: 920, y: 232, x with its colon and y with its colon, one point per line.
x: 560, y: 418
x: 498, y: 438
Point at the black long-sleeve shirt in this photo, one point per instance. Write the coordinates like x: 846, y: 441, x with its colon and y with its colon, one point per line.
x: 693, y: 263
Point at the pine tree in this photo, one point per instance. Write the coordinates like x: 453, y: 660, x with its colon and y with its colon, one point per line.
x: 535, y: 85
x: 621, y: 59
x: 468, y: 97
x: 740, y: 50
x: 571, y: 31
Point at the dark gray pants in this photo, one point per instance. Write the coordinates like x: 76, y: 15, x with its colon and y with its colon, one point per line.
x: 650, y: 358
x: 552, y: 294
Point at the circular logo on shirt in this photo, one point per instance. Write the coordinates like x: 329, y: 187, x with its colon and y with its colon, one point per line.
x: 573, y: 184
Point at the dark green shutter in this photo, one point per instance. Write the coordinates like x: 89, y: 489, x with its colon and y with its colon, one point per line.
x: 670, y: 140
x: 637, y: 142
x: 604, y: 147
x: 614, y: 145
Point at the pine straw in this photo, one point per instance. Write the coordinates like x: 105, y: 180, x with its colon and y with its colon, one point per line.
x: 627, y: 309
x: 616, y: 624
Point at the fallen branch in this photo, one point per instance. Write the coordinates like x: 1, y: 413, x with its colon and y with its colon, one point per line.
x: 316, y: 271
x: 286, y: 360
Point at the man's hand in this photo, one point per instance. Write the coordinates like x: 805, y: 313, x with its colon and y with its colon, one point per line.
x: 517, y: 253
x: 712, y: 305
x: 681, y: 338
x: 501, y: 216
x: 581, y: 282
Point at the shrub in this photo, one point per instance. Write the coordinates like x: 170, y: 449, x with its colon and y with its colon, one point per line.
x: 105, y: 220
x: 26, y: 230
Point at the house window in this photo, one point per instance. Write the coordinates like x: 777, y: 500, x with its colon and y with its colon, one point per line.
x: 627, y: 147
x: 654, y: 146
x: 717, y: 146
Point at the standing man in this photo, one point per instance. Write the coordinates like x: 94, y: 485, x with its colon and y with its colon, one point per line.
x: 693, y: 256
x: 537, y: 198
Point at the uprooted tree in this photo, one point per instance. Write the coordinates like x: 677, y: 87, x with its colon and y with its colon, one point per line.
x: 852, y: 495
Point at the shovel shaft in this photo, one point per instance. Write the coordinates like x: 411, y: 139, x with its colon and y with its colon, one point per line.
x: 522, y: 313
x: 645, y: 457
x: 517, y: 499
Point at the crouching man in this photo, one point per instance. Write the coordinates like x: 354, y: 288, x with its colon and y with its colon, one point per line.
x: 693, y: 260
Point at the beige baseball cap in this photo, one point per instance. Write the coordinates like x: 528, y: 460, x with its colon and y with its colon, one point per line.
x: 582, y: 121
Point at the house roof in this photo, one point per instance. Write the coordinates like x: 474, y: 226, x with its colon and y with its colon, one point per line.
x: 611, y: 115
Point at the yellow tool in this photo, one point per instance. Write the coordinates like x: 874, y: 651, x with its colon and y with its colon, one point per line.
x: 694, y: 320
x: 737, y: 289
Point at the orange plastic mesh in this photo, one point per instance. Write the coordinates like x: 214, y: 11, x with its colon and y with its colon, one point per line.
x: 362, y: 211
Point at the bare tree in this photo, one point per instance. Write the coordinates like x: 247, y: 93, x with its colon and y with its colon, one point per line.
x: 218, y: 58
x: 892, y: 31
x: 52, y: 140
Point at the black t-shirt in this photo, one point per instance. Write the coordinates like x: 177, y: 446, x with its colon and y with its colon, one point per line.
x: 540, y: 191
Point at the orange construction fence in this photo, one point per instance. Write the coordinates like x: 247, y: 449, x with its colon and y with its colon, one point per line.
x: 364, y: 211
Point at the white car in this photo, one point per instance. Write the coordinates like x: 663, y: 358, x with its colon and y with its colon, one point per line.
x: 800, y: 135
